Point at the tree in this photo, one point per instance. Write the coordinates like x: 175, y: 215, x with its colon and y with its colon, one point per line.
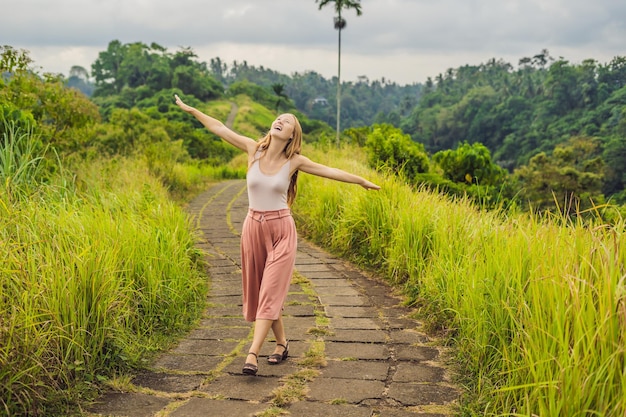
x: 193, y: 81
x: 105, y: 69
x: 563, y: 88
x: 279, y: 90
x: 61, y: 117
x: 13, y: 60
x: 340, y: 23
x: 79, y: 72
x: 614, y: 155
x: 573, y: 175
x: 79, y: 79
x: 470, y: 164
x: 613, y: 73
x: 389, y: 147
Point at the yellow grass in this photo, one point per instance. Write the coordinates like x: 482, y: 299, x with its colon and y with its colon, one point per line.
x: 536, y: 307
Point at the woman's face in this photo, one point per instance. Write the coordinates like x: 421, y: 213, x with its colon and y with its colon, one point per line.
x: 283, y: 126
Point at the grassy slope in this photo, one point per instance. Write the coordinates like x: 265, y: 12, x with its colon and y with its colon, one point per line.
x: 94, y: 278
x: 535, y: 307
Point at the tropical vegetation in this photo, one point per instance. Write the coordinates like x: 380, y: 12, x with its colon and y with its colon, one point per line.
x: 534, y: 306
x: 500, y: 217
x: 556, y: 128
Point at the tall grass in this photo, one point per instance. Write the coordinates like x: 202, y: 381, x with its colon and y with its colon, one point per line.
x: 20, y: 158
x: 185, y: 178
x: 535, y: 306
x: 97, y: 272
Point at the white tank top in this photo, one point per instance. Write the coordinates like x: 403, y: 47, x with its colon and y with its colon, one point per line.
x: 267, y: 192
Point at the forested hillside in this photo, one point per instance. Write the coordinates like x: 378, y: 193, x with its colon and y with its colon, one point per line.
x: 541, y: 134
x: 519, y: 113
x: 152, y: 66
x: 557, y: 128
x: 363, y: 102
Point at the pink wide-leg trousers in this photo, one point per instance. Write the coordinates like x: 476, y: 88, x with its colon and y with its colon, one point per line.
x: 268, y: 253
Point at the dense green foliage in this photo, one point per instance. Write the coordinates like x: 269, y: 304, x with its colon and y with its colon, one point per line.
x: 472, y: 121
x: 574, y: 168
x: 130, y: 66
x: 516, y: 114
x: 469, y: 163
x: 64, y: 117
x: 362, y: 102
x: 388, y: 147
x: 520, y: 113
x: 136, y: 71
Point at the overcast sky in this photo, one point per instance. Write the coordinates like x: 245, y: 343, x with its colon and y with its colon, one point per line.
x: 404, y: 41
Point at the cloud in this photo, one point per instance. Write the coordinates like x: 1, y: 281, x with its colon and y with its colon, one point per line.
x: 406, y: 39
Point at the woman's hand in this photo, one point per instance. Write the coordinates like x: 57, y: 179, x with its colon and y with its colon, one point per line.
x: 370, y: 185
x: 182, y: 105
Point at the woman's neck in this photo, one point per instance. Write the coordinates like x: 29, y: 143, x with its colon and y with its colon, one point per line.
x: 275, y: 150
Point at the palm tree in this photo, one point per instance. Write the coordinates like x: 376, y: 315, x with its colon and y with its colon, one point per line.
x: 340, y: 23
x: 279, y: 90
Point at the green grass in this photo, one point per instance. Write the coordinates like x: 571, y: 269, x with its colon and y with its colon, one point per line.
x: 253, y: 119
x: 100, y: 270
x: 97, y: 274
x: 21, y: 159
x: 535, y: 306
x: 220, y: 109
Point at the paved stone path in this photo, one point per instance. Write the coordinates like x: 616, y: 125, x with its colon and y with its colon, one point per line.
x: 353, y: 351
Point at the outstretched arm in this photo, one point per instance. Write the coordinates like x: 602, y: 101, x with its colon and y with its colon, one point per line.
x: 304, y: 164
x: 220, y: 129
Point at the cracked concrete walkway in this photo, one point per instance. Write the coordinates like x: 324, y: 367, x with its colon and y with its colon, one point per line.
x: 372, y: 360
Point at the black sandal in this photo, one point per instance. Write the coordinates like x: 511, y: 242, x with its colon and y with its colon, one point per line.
x: 250, y: 368
x: 276, y: 358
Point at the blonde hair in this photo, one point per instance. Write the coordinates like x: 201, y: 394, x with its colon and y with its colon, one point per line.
x: 293, y: 147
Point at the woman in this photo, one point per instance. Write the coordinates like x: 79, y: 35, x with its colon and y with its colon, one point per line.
x: 268, y: 238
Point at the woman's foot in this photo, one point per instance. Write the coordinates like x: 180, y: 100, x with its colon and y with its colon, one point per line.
x: 279, y: 354
x: 250, y: 367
